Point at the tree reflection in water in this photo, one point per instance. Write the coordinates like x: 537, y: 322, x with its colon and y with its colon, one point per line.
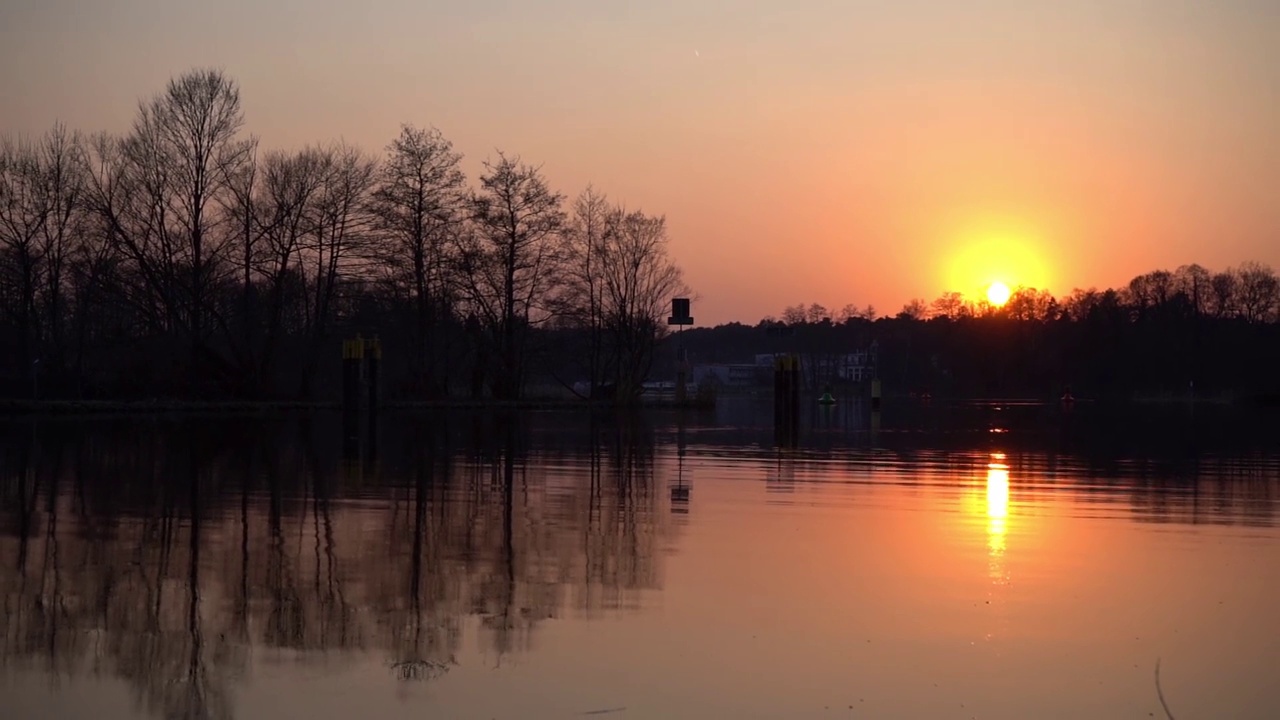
x: 167, y: 554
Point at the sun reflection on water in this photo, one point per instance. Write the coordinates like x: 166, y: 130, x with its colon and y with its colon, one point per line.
x: 997, y: 514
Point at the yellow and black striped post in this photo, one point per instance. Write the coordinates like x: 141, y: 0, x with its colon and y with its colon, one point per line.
x: 361, y: 395
x: 373, y: 361
x: 352, y: 360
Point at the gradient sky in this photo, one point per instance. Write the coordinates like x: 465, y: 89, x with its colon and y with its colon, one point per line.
x: 802, y: 150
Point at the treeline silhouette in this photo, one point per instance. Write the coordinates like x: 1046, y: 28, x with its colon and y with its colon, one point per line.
x: 1184, y: 333
x: 182, y: 260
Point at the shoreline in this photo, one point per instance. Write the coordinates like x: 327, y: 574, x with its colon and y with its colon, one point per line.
x: 27, y: 408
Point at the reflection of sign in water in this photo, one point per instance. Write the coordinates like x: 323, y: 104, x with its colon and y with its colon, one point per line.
x: 680, y: 491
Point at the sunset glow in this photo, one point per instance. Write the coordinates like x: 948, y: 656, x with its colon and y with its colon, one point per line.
x: 684, y: 358
x: 993, y: 254
x: 845, y: 153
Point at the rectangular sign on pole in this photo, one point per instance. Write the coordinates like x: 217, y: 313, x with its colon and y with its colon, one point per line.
x: 680, y: 312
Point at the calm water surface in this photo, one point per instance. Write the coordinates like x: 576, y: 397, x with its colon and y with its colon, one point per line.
x: 980, y: 562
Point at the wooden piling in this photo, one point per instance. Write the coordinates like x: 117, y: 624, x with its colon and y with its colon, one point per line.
x: 786, y: 397
x: 373, y: 385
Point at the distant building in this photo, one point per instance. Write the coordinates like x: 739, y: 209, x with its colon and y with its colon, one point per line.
x: 816, y: 368
x: 854, y: 366
x: 726, y: 375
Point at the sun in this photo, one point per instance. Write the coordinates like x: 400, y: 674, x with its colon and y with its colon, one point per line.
x: 998, y: 293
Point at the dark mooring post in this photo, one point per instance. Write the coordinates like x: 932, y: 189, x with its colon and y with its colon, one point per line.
x: 373, y: 369
x: 786, y: 397
x: 795, y: 390
x: 373, y: 363
x: 876, y: 393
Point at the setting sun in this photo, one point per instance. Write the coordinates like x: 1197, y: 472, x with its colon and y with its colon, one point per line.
x: 998, y: 293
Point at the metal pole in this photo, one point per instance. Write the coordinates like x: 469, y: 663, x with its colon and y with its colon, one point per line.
x: 680, y: 366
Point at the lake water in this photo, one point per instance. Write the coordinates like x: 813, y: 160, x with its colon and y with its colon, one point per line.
x: 977, y: 561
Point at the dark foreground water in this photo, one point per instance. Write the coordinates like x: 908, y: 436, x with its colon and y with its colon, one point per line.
x: 947, y: 562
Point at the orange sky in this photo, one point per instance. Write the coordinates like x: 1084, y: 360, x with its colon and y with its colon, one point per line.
x: 808, y: 151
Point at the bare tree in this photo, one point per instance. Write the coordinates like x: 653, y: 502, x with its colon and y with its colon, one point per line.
x: 241, y: 170
x: 917, y: 309
x: 106, y: 299
x: 1258, y: 288
x: 579, y: 302
x: 818, y: 313
x: 290, y: 184
x: 510, y: 260
x: 1031, y: 304
x: 191, y: 128
x: 24, y: 211
x: 638, y: 280
x: 1223, y: 287
x: 795, y: 314
x: 337, y: 242
x: 853, y: 312
x: 417, y: 206
x: 1080, y: 303
x: 62, y: 168
x: 160, y: 192
x: 1194, y: 281
x: 950, y: 305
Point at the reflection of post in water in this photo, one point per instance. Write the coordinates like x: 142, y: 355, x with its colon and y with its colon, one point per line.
x: 680, y: 493
x: 783, y: 477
